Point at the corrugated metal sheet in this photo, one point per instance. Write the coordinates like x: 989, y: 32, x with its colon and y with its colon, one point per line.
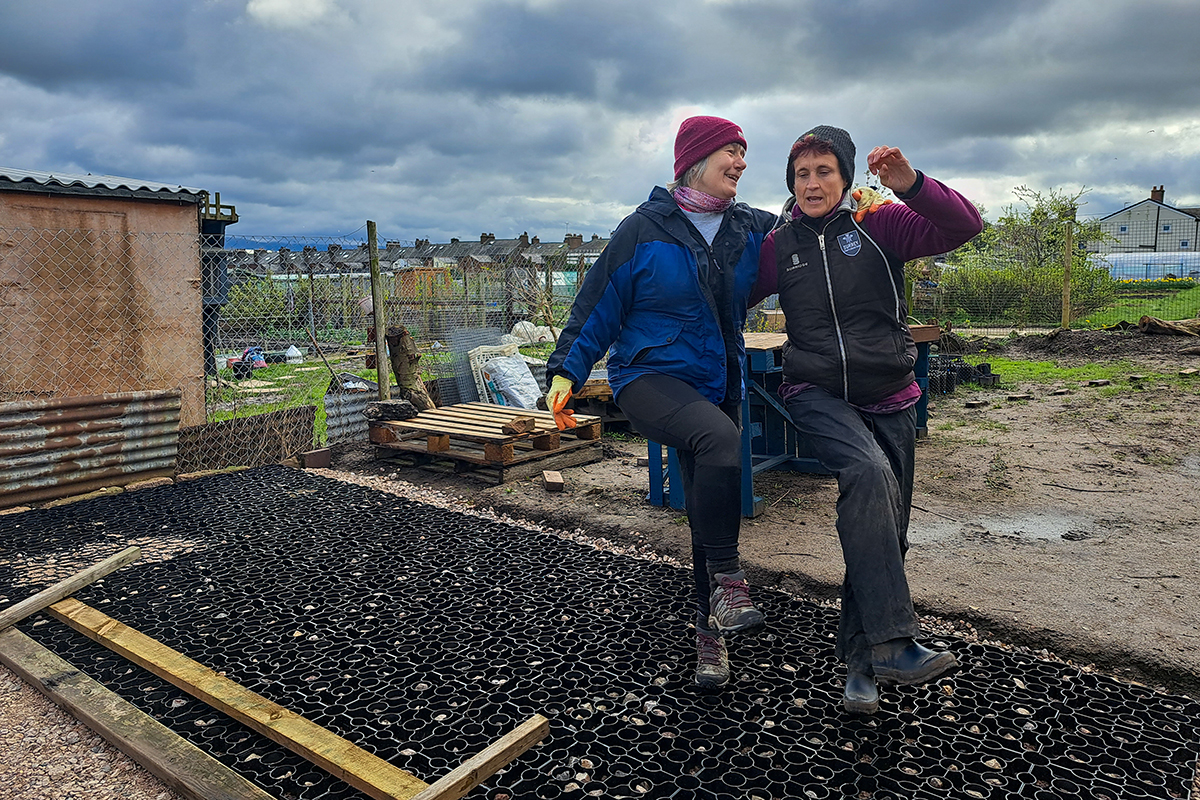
x: 344, y: 420
x: 113, y: 182
x: 71, y: 445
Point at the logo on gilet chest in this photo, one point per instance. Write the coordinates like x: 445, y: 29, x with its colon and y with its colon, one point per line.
x: 796, y: 263
x: 850, y: 243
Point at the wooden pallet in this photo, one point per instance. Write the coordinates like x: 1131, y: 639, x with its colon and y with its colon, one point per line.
x: 468, y: 438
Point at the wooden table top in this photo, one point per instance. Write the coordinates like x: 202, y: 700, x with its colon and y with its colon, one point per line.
x: 774, y: 341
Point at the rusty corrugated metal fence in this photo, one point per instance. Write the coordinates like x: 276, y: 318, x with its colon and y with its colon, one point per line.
x: 70, y: 445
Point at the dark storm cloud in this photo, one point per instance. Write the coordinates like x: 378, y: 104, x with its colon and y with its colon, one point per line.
x: 536, y: 115
x: 56, y: 44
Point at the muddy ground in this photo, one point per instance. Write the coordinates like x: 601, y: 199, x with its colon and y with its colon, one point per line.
x: 1065, y: 522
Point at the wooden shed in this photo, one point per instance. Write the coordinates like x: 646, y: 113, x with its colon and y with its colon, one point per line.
x: 100, y: 287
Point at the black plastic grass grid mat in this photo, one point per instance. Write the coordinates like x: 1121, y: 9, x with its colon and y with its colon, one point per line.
x: 422, y: 635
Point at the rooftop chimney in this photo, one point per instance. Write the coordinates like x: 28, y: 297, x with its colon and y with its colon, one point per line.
x: 484, y: 238
x: 524, y: 239
x: 573, y: 240
x: 1156, y: 194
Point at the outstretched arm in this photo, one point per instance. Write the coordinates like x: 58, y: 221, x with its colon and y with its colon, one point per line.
x: 933, y: 218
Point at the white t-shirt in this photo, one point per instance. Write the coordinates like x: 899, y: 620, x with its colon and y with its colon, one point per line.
x: 707, y: 222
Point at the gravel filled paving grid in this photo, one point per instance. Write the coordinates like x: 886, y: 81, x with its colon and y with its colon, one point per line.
x: 423, y: 634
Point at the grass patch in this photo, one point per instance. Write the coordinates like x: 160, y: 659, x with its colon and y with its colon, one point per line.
x: 1159, y: 300
x: 1014, y: 371
x: 271, y: 388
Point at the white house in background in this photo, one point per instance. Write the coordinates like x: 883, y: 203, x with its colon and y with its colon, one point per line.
x: 1152, y: 226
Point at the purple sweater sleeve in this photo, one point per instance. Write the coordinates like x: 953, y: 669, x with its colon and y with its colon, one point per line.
x: 936, y: 220
x: 767, y: 283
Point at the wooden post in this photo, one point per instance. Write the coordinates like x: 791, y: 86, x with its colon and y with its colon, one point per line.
x: 1068, y: 257
x: 381, y: 361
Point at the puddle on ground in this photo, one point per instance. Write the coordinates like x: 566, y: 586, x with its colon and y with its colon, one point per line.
x: 1047, y: 526
x: 1190, y: 465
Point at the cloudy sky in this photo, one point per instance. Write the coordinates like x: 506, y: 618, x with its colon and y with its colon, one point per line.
x: 447, y: 119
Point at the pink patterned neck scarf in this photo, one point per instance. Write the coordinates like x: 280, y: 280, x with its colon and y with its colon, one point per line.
x: 699, y: 202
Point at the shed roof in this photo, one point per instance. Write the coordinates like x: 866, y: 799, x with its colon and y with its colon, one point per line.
x: 12, y: 179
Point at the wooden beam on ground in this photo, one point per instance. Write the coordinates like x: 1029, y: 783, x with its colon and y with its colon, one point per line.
x: 172, y: 759
x: 65, y: 588
x: 483, y: 765
x: 364, y: 771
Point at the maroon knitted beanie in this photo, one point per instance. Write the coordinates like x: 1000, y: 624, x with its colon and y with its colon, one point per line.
x: 700, y: 136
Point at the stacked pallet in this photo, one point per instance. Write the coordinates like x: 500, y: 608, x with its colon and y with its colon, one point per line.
x: 496, y: 443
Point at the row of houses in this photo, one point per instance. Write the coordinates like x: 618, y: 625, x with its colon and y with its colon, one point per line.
x: 572, y: 255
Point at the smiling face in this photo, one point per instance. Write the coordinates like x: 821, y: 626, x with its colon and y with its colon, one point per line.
x: 819, y: 183
x: 724, y: 169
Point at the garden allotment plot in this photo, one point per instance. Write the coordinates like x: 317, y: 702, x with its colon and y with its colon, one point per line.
x: 422, y: 634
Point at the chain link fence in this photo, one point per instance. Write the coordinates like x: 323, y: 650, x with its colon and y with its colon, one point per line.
x: 269, y: 342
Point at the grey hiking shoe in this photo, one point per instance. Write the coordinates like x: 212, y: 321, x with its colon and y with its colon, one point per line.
x: 732, y: 611
x: 712, y: 660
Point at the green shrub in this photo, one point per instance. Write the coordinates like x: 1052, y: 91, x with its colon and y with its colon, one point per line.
x: 1012, y: 295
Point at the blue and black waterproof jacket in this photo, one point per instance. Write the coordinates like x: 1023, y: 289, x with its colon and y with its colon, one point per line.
x: 649, y: 301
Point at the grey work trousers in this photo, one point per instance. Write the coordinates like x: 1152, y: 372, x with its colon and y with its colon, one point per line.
x: 872, y: 456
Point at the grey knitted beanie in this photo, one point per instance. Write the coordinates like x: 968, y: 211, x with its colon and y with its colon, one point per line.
x: 838, y: 140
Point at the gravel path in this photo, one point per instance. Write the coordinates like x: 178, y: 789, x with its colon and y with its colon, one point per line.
x: 49, y: 755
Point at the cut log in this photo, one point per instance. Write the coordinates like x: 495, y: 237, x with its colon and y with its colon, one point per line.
x: 519, y: 425
x: 1181, y: 327
x: 390, y: 410
x: 403, y: 353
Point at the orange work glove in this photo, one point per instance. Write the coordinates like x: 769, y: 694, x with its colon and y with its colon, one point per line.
x: 869, y: 201
x: 556, y: 398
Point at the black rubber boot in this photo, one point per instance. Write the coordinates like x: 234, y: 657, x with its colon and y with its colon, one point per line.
x: 904, y: 662
x: 861, y: 695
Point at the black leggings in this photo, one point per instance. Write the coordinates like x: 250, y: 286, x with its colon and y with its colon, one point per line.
x: 709, y: 443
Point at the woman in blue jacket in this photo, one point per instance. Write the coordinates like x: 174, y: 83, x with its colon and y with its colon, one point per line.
x: 667, y: 301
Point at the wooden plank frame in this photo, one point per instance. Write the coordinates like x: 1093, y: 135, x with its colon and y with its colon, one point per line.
x: 168, y: 756
x: 341, y: 758
x: 65, y: 588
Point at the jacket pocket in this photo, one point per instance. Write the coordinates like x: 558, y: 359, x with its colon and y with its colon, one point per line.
x: 646, y: 343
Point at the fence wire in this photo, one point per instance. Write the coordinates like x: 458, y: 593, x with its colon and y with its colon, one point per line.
x: 257, y: 328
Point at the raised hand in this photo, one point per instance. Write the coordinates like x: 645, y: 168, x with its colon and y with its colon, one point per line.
x: 892, y: 167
